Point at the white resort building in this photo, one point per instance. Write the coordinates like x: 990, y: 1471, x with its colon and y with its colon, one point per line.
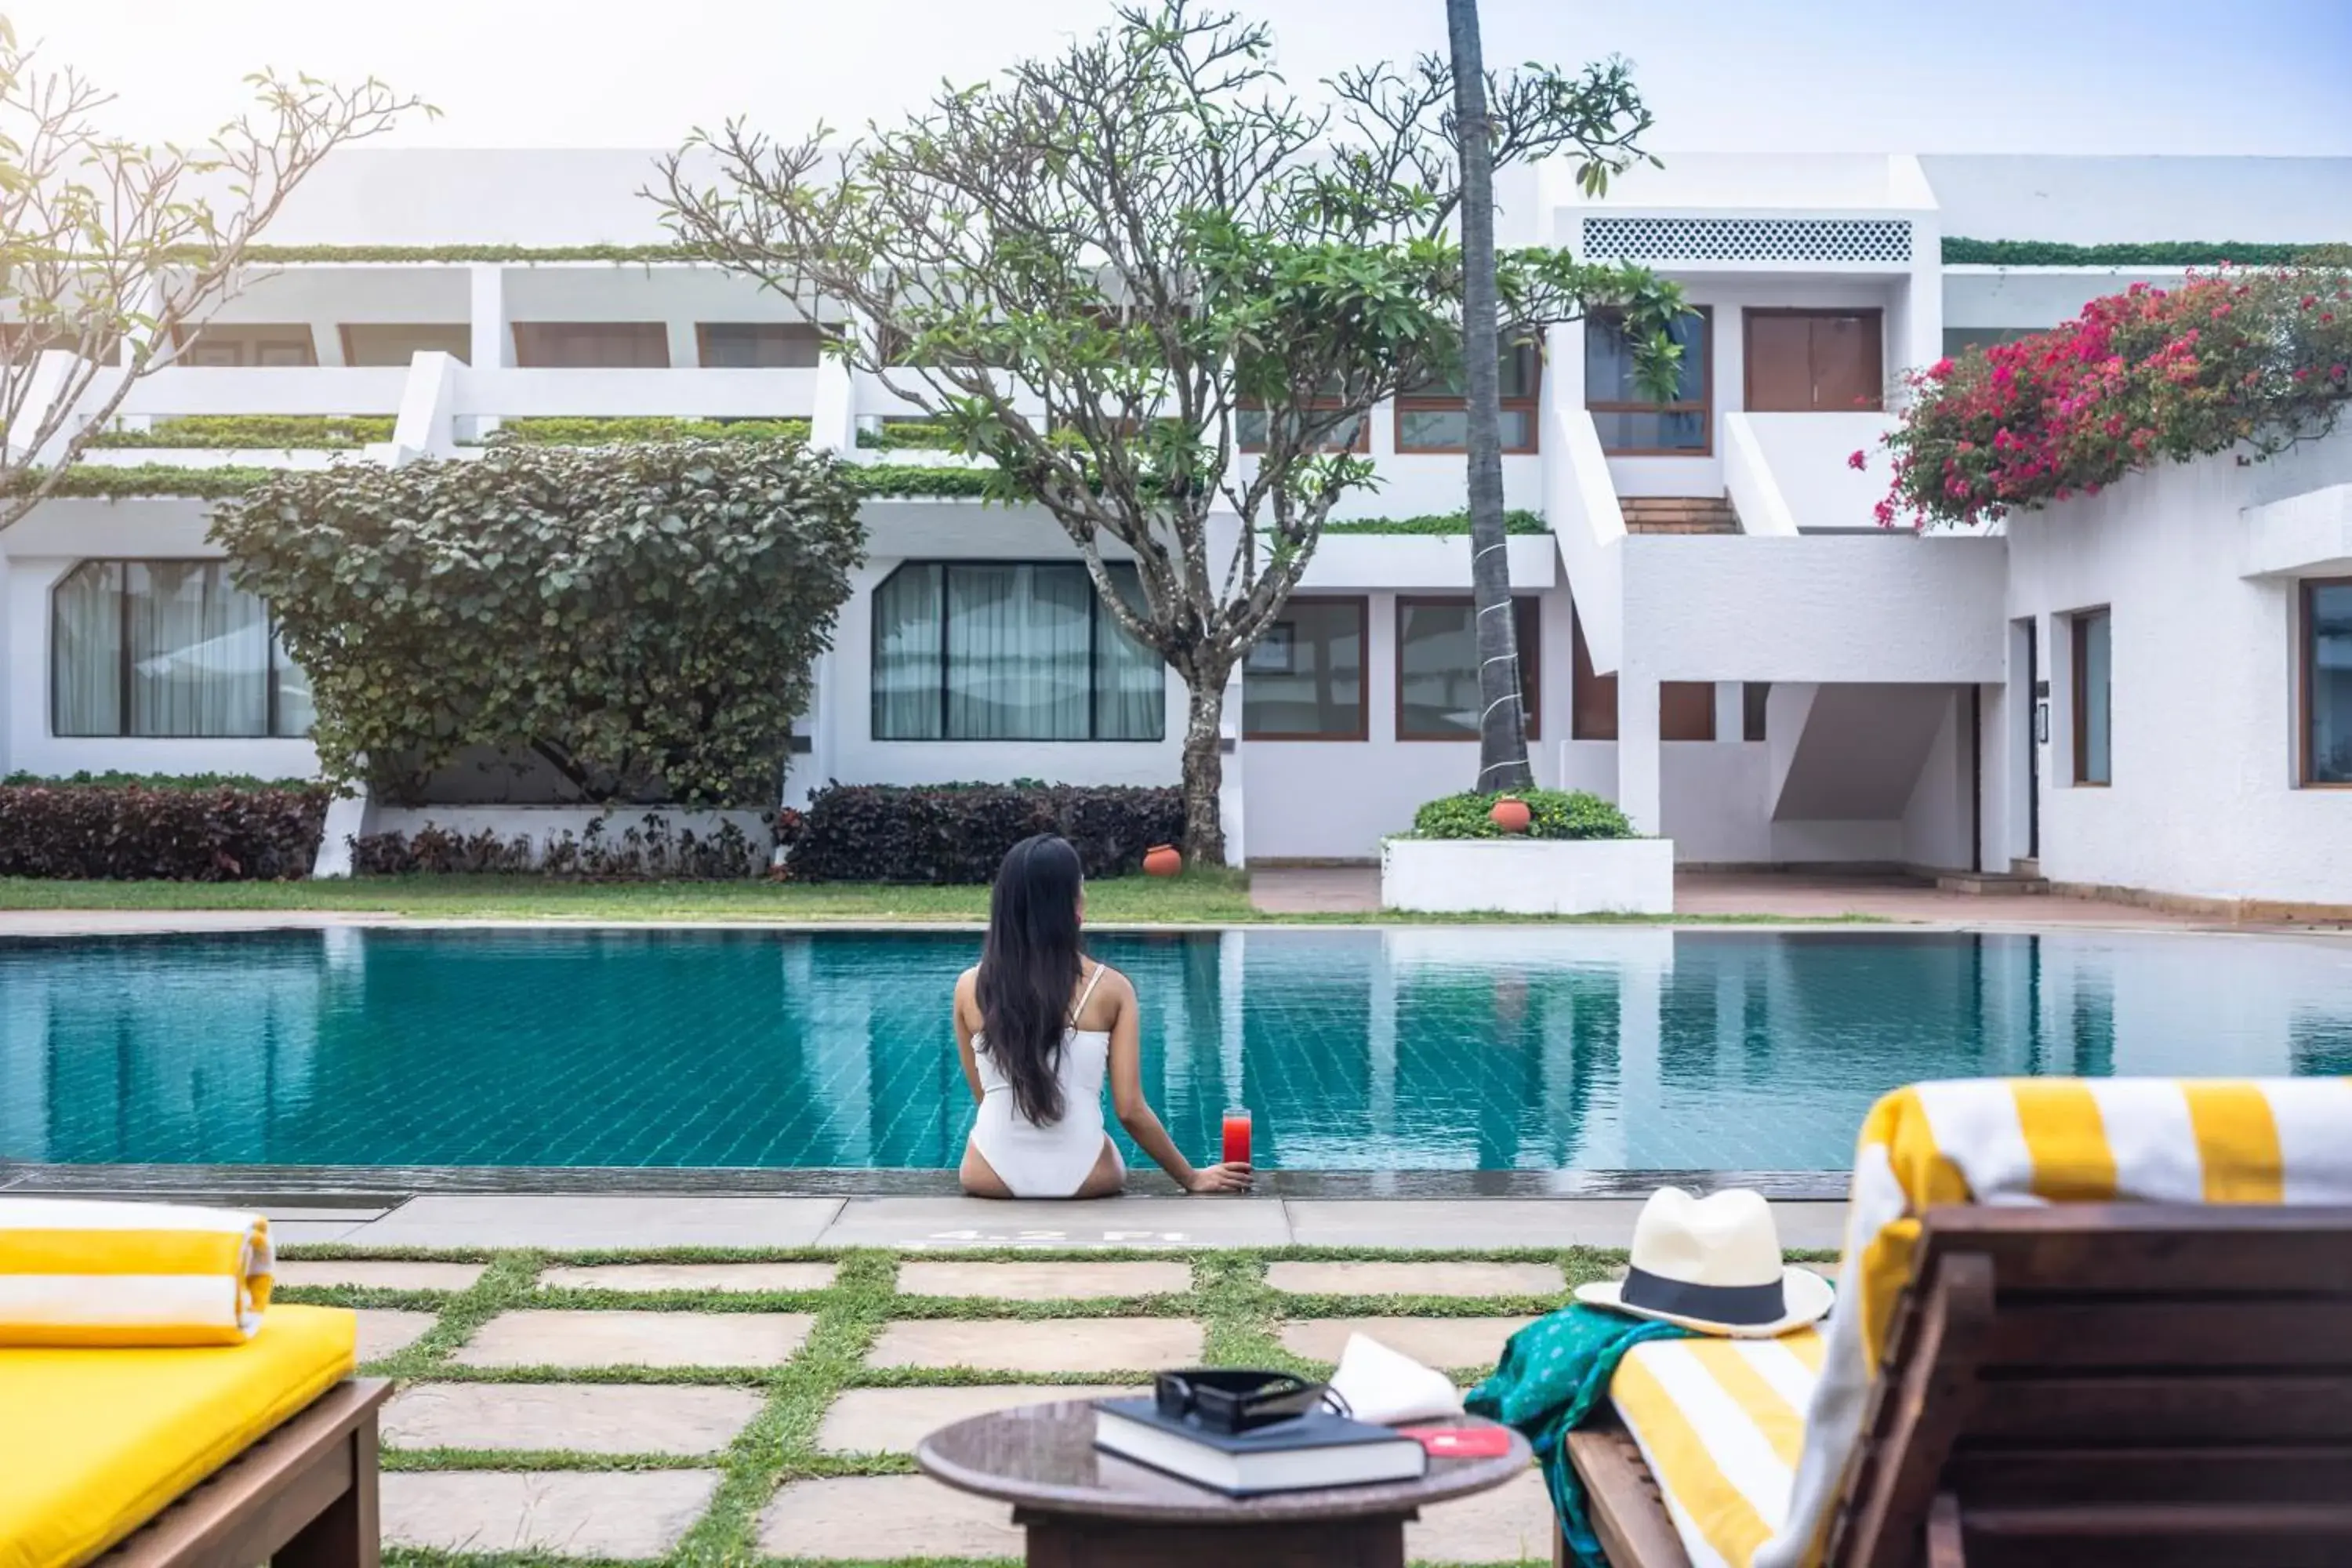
x: 2150, y: 690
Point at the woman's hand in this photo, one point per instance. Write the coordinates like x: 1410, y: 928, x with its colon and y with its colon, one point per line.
x: 1228, y: 1178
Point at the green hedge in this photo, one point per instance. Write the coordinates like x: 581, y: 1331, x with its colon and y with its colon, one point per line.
x: 565, y: 430
x: 152, y: 479
x: 923, y: 434
x: 916, y: 480
x: 1959, y: 251
x: 1516, y: 520
x: 285, y: 432
x: 1553, y: 814
x: 112, y: 780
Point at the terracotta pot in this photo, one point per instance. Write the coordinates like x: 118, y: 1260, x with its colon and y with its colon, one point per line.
x: 1162, y: 860
x: 1510, y: 813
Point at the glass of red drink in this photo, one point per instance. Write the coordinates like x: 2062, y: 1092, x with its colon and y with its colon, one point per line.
x: 1237, y: 1136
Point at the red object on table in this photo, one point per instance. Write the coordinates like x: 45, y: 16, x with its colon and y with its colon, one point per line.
x: 1462, y: 1442
x: 1237, y: 1137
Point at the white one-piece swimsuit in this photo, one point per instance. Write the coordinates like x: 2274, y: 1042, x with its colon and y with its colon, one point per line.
x: 1054, y: 1160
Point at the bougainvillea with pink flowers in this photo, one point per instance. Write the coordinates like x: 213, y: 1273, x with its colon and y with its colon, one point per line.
x: 2230, y: 359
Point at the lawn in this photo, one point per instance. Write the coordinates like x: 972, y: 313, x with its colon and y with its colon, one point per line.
x: 1196, y: 897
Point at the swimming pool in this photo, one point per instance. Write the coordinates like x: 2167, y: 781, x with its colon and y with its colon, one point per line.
x: 1486, y: 1048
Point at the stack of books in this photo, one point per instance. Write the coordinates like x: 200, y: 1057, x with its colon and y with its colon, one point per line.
x: 1298, y: 1454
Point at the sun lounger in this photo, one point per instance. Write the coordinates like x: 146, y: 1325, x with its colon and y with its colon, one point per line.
x: 2033, y: 1377
x: 215, y: 1456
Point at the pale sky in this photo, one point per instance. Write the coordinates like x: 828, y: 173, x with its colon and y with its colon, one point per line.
x: 1988, y: 76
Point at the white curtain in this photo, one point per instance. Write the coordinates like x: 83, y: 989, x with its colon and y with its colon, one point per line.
x: 1130, y: 701
x: 296, y: 712
x: 907, y: 656
x: 199, y: 652
x: 86, y: 655
x: 1017, y: 643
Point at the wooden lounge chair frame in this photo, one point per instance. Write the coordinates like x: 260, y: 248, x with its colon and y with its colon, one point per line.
x: 2142, y: 1385
x: 304, y: 1496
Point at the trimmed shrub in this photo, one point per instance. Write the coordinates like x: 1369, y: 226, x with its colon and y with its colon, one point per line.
x: 112, y: 780
x: 129, y: 832
x: 959, y: 833
x: 651, y: 850
x: 1553, y: 814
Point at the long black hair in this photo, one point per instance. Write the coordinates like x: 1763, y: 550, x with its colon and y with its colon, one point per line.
x: 1029, y: 968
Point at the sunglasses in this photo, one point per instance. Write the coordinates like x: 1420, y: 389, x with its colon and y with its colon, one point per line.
x: 1233, y: 1399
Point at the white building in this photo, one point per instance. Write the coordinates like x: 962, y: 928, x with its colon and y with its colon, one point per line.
x: 1720, y: 637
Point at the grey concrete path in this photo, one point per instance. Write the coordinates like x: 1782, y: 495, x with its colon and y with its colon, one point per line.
x: 946, y: 1224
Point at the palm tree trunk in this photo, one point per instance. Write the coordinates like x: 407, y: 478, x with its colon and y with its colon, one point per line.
x: 1502, y: 727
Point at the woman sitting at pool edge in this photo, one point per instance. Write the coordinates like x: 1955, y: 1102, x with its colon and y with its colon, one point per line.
x: 1038, y: 1024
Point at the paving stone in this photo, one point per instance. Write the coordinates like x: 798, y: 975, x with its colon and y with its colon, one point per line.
x: 590, y: 1418
x: 1065, y: 1344
x: 1137, y: 1220
x: 1416, y: 1279
x: 1043, y: 1282
x: 1433, y: 1341
x: 1510, y: 1523
x: 730, y: 1276
x: 862, y: 1517
x: 382, y: 1274
x: 383, y: 1331
x: 893, y: 1420
x: 471, y: 1219
x: 576, y: 1513
x: 547, y: 1338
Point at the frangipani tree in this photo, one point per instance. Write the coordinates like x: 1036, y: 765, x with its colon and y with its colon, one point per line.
x: 112, y: 253
x: 1156, y: 288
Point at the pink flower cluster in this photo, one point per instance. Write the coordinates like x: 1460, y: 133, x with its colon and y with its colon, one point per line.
x: 2227, y: 360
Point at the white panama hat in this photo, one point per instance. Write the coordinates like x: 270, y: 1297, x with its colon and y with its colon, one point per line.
x: 1713, y: 1264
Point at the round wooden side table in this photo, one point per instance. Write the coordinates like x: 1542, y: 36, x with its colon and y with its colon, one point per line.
x: 1085, y: 1509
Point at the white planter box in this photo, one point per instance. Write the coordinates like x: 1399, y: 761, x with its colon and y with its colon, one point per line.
x: 1529, y: 875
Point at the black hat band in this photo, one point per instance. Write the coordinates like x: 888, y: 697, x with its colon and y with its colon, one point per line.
x: 1740, y: 1304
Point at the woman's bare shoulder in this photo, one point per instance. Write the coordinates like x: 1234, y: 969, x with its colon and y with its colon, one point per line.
x: 967, y: 991
x: 1113, y: 995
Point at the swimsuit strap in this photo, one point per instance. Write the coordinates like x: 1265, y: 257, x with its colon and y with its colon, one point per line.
x: 1080, y: 1006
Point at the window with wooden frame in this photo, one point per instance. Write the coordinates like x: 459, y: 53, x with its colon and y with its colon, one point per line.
x: 1304, y: 680
x: 398, y: 342
x: 2326, y: 626
x: 1250, y: 418
x: 289, y: 344
x: 1630, y: 423
x: 592, y: 345
x: 1435, y: 416
x: 1686, y: 707
x: 758, y: 345
x: 2093, y: 697
x: 1437, y: 696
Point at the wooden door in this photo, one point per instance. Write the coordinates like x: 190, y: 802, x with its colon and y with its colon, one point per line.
x: 1808, y: 362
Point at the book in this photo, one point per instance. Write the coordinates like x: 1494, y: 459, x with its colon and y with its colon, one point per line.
x: 1296, y: 1455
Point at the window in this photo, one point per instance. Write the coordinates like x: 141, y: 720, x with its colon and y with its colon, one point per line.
x: 759, y: 345
x: 1010, y: 651
x: 592, y: 345
x: 1349, y: 436
x: 247, y: 345
x: 2094, y: 713
x: 1437, y: 667
x: 1304, y: 681
x: 2327, y: 681
x: 168, y: 648
x: 1631, y: 425
x: 390, y: 342
x: 1436, y: 418
x: 1958, y: 341
x: 1755, y: 698
x: 1686, y: 707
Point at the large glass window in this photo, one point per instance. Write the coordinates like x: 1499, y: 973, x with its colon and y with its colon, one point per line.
x: 1632, y: 424
x: 2093, y: 709
x: 1010, y: 651
x: 592, y: 345
x: 1435, y: 418
x: 169, y: 649
x: 759, y: 345
x: 381, y: 343
x: 2327, y: 681
x: 1304, y: 680
x: 1437, y: 667
x: 242, y: 344
x: 1686, y: 707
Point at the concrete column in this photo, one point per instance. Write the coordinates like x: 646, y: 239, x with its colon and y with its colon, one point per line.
x: 488, y: 315
x: 1637, y: 750
x: 1730, y: 710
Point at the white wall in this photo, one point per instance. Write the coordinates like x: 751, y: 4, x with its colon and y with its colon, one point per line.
x: 1809, y: 458
x: 2204, y: 801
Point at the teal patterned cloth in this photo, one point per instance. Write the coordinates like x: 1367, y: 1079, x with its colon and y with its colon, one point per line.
x: 1554, y: 1372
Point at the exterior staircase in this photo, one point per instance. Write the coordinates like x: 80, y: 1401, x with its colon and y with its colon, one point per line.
x: 1678, y: 514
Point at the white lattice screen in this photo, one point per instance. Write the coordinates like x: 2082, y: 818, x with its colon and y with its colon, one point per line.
x: 1748, y: 239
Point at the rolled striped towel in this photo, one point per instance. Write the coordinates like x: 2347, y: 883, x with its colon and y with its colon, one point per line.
x: 74, y: 1272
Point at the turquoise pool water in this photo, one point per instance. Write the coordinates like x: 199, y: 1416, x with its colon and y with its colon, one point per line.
x: 1486, y: 1048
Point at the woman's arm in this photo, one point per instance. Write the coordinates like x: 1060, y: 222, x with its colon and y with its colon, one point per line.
x: 967, y: 1017
x: 1135, y: 1112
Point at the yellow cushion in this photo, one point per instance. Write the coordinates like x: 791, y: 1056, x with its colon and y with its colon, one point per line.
x: 1720, y: 1423
x: 94, y: 1443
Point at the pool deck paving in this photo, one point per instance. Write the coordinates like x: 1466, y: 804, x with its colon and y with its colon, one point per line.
x: 551, y: 1430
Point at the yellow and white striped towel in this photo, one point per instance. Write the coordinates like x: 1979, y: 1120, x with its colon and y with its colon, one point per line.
x: 2037, y: 1141
x: 74, y: 1272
